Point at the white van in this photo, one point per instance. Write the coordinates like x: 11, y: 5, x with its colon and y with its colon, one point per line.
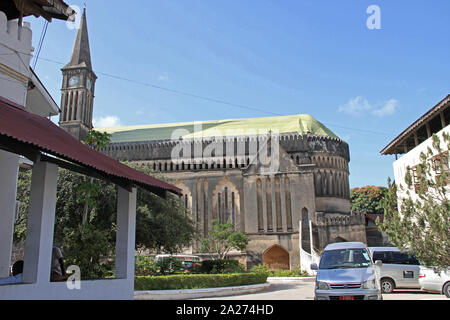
x: 346, y: 272
x: 399, y: 270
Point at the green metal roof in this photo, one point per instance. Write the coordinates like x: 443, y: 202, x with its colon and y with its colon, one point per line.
x: 301, y: 123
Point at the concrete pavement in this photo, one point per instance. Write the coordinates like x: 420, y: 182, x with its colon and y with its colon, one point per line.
x: 304, y: 290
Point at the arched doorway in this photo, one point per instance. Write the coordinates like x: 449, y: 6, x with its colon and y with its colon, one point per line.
x: 276, y: 257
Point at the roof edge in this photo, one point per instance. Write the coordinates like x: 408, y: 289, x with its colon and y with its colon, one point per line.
x: 427, y: 115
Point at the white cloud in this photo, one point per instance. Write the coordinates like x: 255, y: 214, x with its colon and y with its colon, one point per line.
x: 108, y: 121
x: 356, y: 106
x: 360, y: 105
x: 163, y: 77
x: 387, y: 109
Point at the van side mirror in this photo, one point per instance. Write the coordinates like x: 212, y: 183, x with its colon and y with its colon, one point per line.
x: 314, y: 266
x: 378, y: 263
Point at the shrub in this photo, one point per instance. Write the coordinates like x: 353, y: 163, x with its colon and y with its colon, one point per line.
x: 168, y: 266
x: 261, y: 269
x: 221, y: 266
x: 148, y: 266
x: 196, y: 281
x: 290, y: 273
x: 145, y: 266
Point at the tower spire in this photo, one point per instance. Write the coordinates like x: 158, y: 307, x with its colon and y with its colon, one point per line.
x: 81, y: 53
x: 78, y: 86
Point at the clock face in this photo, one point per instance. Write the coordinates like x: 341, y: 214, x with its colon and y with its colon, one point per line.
x: 89, y: 84
x: 73, y: 81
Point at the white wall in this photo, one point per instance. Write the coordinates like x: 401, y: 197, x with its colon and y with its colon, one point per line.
x: 411, y: 159
x: 15, y: 56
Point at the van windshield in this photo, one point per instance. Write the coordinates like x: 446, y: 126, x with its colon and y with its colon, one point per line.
x: 345, y: 258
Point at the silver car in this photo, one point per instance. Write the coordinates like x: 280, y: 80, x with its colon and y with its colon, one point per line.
x: 399, y: 270
x: 346, y: 272
x: 435, y: 280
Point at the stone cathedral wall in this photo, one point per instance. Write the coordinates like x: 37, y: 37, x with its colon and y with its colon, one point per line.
x: 312, y: 177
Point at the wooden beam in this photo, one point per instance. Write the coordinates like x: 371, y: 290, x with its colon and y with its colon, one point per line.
x: 427, y: 125
x: 442, y: 119
x: 86, y: 171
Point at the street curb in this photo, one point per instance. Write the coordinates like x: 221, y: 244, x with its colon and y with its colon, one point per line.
x: 198, y: 293
x: 290, y: 279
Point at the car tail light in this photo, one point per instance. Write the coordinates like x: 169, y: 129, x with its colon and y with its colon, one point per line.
x: 422, y: 275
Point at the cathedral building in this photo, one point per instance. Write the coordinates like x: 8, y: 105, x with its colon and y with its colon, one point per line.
x: 270, y: 177
x: 274, y: 178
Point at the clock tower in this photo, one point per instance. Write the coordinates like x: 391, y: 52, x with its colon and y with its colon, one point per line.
x: 78, y: 85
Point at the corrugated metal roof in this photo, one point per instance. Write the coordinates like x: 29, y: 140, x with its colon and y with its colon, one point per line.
x: 301, y: 123
x: 26, y: 131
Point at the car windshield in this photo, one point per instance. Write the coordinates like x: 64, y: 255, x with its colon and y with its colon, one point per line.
x: 345, y: 258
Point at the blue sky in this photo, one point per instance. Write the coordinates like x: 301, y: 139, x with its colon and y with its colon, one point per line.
x: 284, y: 57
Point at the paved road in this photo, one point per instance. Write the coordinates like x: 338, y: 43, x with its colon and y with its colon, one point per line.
x: 304, y: 290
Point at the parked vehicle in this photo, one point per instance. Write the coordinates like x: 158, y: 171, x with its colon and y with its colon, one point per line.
x: 190, y: 262
x: 346, y: 272
x: 399, y: 270
x: 433, y: 280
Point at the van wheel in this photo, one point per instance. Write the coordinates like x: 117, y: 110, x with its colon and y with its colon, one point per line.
x: 446, y: 290
x: 387, y: 285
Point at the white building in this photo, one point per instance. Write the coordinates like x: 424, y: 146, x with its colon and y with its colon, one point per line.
x: 416, y: 139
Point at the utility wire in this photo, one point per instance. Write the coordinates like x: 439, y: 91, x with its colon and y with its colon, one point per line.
x: 214, y: 100
x: 41, y: 41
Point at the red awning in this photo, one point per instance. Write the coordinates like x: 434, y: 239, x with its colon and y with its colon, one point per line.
x: 28, y: 134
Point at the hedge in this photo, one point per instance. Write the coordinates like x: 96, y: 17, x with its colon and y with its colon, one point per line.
x: 196, y: 281
x: 221, y: 266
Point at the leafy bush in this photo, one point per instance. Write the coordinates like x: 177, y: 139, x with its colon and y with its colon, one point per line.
x: 145, y: 266
x: 263, y: 269
x: 368, y: 199
x: 290, y: 273
x: 195, y: 281
x: 88, y: 250
x: 168, y: 266
x: 221, y: 266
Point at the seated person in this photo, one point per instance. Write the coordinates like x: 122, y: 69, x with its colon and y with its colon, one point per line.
x: 58, y: 272
x: 17, y: 271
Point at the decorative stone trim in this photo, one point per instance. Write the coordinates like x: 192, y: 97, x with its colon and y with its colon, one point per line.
x: 4, y: 69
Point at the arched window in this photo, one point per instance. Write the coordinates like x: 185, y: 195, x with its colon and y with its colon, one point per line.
x: 278, y: 204
x: 269, y: 205
x: 259, y: 203
x: 306, y: 244
x: 226, y: 206
x: 186, y: 196
x: 287, y: 193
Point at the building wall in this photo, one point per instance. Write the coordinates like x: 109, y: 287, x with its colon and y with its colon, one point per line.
x: 15, y: 57
x: 411, y: 159
x: 311, y: 176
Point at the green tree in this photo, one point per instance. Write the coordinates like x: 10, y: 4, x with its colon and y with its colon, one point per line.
x: 162, y: 225
x: 89, y: 189
x: 223, y: 238
x: 89, y: 240
x: 368, y: 199
x: 423, y: 222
